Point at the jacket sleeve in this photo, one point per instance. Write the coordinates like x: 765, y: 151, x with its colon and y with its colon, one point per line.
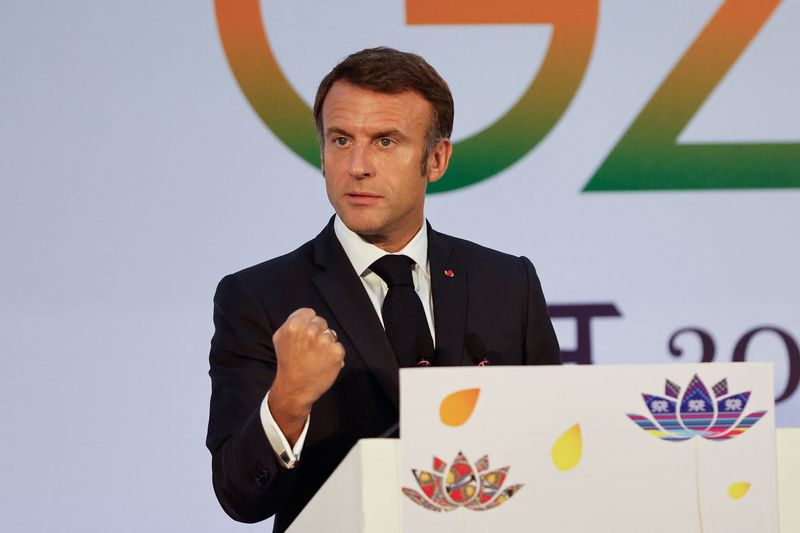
x: 249, y: 482
x: 541, y: 344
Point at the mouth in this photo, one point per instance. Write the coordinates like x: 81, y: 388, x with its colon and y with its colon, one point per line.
x: 361, y: 198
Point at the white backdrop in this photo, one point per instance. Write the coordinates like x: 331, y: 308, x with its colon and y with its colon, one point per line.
x: 135, y: 174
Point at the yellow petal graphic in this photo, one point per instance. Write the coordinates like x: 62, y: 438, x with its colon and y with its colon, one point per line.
x: 738, y: 490
x: 568, y: 448
x: 457, y: 407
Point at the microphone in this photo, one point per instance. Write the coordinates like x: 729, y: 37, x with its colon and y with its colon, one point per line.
x: 476, y: 350
x: 393, y: 432
x: 423, y: 346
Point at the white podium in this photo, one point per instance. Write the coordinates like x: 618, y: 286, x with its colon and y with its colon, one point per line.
x: 788, y: 443
x: 657, y: 448
x: 363, y: 494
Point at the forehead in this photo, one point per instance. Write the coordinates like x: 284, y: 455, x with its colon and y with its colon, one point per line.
x: 348, y: 106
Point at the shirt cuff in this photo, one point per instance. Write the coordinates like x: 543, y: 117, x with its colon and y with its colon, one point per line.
x: 287, y: 456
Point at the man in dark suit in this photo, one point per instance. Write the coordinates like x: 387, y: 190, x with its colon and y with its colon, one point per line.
x: 307, y: 347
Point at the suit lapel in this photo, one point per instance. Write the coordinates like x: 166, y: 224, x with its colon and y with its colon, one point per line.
x: 344, y: 293
x: 449, y: 289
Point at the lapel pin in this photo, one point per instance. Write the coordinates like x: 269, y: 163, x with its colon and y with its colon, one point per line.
x: 449, y: 273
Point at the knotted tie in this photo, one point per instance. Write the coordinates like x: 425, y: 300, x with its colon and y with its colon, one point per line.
x: 403, y: 314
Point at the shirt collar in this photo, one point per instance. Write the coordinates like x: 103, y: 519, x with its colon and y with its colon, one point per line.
x: 362, y: 253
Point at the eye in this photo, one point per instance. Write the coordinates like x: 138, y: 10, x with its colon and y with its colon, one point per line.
x: 341, y: 141
x: 385, y: 142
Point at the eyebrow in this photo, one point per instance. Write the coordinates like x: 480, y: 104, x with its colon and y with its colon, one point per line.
x: 391, y: 133
x: 377, y: 135
x: 340, y: 131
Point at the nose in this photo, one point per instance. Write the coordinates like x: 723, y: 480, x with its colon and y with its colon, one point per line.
x: 361, y: 164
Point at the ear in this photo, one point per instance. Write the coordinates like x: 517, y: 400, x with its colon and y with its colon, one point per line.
x: 322, y: 156
x: 439, y: 159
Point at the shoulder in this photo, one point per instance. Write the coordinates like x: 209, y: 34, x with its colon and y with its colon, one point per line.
x: 279, y: 274
x: 296, y: 263
x: 480, y: 257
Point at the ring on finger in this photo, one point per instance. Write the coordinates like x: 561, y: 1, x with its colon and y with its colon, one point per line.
x: 332, y: 332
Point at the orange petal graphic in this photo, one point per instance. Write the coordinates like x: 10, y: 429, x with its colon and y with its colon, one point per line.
x: 738, y: 490
x: 568, y: 449
x: 457, y: 407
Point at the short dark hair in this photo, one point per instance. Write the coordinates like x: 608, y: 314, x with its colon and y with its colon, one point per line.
x: 389, y: 71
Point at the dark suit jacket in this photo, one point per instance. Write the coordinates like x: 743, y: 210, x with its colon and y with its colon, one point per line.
x: 492, y: 295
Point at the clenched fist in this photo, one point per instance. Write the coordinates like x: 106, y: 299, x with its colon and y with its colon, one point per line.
x: 309, y: 359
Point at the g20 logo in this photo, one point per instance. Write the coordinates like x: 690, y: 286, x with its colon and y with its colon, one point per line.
x: 647, y: 157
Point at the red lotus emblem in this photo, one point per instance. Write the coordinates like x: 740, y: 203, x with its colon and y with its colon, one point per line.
x: 462, y: 485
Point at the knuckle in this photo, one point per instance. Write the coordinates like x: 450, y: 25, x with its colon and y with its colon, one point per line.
x: 307, y: 312
x: 293, y: 326
x: 303, y: 314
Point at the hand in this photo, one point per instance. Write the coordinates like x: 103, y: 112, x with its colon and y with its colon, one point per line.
x: 309, y: 360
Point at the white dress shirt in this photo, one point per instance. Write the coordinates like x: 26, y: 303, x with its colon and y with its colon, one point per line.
x: 361, y: 255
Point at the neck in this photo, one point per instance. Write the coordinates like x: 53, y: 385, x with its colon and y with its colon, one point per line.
x: 388, y: 243
x: 385, y: 244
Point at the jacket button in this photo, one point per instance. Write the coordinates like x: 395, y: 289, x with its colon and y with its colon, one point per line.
x: 262, y: 477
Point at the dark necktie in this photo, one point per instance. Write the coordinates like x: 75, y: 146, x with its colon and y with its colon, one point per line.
x: 403, y: 314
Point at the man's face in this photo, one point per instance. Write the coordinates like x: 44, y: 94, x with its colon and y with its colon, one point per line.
x: 373, y: 148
